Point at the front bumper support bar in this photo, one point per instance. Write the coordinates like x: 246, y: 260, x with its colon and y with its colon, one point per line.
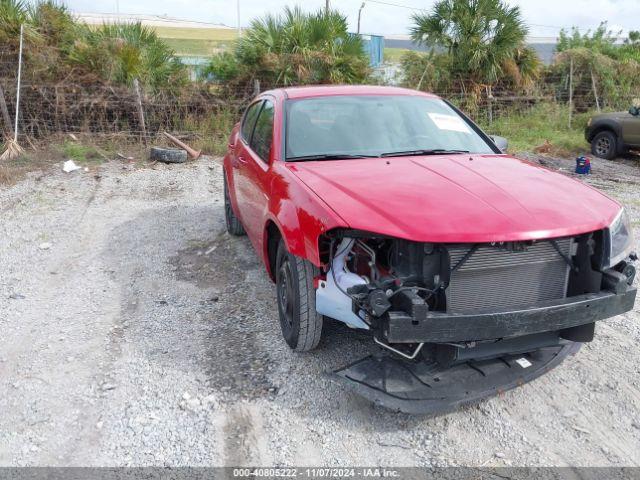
x: 440, y: 327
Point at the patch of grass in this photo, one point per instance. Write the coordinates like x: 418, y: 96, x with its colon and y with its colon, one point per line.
x: 196, y: 47
x: 393, y: 55
x: 197, y: 41
x: 80, y: 153
x: 16, y: 169
x: 543, y: 123
x: 219, y: 34
x: 213, y: 134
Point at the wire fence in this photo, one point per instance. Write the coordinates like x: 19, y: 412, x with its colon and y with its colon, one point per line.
x: 74, y: 108
x: 49, y: 108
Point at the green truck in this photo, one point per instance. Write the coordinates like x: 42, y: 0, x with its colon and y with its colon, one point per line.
x: 612, y: 134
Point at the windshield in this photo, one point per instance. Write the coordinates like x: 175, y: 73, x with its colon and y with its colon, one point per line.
x: 354, y: 126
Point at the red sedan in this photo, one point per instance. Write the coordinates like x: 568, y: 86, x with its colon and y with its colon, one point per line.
x: 391, y: 211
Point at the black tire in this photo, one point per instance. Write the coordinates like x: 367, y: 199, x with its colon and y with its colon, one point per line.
x: 168, y: 155
x: 605, y: 145
x: 234, y: 227
x: 300, y: 323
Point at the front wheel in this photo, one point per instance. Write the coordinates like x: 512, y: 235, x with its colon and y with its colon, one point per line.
x: 300, y: 323
x: 604, y: 145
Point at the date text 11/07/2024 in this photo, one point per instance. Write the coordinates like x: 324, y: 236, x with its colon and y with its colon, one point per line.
x: 317, y: 472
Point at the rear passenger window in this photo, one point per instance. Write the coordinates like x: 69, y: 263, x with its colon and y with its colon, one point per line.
x: 249, y: 120
x: 263, y: 133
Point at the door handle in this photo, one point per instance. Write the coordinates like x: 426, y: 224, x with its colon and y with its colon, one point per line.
x: 241, y: 159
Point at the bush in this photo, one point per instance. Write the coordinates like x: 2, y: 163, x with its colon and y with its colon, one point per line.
x: 57, y: 47
x: 545, y: 122
x: 295, y: 48
x: 122, y: 53
x: 223, y: 68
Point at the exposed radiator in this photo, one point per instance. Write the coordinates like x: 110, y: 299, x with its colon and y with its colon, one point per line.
x: 492, y: 278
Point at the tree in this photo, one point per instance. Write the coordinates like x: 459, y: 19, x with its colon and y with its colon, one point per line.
x: 57, y: 46
x: 603, y: 67
x: 485, y: 39
x: 121, y: 53
x: 297, y: 48
x: 601, y: 40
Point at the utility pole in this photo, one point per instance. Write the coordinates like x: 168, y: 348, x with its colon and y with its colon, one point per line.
x: 238, y: 7
x: 326, y: 6
x: 359, y: 14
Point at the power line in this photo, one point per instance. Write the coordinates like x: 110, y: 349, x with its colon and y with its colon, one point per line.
x: 142, y: 17
x: 397, y: 5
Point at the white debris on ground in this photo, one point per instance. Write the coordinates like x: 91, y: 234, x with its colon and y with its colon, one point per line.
x: 148, y: 336
x: 70, y: 166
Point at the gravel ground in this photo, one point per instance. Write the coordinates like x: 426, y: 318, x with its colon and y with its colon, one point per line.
x: 135, y: 331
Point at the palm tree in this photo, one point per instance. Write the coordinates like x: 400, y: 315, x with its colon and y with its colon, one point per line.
x: 298, y: 47
x: 483, y: 38
x: 121, y: 53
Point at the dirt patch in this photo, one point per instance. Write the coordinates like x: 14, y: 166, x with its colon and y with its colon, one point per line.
x: 238, y: 364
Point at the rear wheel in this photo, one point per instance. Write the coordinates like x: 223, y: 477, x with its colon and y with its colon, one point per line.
x: 300, y: 323
x: 234, y: 227
x: 605, y: 145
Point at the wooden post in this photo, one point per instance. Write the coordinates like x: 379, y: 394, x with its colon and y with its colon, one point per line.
x: 490, y: 104
x: 570, y: 91
x: 595, y: 91
x: 5, y: 114
x: 256, y: 87
x: 15, y: 129
x: 422, y: 77
x: 136, y: 85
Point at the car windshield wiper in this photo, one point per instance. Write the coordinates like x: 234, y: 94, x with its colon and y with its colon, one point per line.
x: 415, y: 153
x: 328, y: 156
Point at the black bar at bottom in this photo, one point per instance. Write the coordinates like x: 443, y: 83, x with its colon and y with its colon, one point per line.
x: 553, y: 316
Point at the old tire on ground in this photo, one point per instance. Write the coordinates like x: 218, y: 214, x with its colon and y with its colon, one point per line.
x: 168, y: 155
x: 234, y: 227
x: 605, y: 145
x: 300, y: 323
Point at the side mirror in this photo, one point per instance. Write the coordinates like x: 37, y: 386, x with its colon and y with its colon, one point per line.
x: 634, y: 111
x: 500, y: 142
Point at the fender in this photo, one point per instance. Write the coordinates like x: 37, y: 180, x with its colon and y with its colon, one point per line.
x: 301, y: 222
x: 604, y: 124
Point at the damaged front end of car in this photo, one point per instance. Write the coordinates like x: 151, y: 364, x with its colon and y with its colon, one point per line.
x: 463, y: 321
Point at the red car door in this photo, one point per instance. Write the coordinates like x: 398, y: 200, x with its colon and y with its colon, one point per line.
x: 255, y: 183
x: 240, y: 157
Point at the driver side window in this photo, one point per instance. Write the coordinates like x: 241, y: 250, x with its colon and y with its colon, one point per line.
x: 249, y: 120
x: 263, y: 132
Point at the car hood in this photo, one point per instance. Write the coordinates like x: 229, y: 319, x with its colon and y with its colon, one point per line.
x: 456, y: 198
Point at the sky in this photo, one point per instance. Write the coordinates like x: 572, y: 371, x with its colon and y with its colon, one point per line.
x: 387, y: 17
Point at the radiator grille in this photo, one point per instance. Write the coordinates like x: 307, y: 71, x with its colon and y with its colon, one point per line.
x: 497, y: 279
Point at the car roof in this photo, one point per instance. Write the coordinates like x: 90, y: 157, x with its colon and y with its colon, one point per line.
x: 335, y: 90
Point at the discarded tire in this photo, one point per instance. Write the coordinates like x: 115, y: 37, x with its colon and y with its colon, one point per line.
x: 168, y: 155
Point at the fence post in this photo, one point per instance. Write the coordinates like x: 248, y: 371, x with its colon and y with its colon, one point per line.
x: 5, y: 114
x: 490, y: 104
x: 256, y: 86
x: 136, y: 85
x: 595, y: 91
x: 570, y: 91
